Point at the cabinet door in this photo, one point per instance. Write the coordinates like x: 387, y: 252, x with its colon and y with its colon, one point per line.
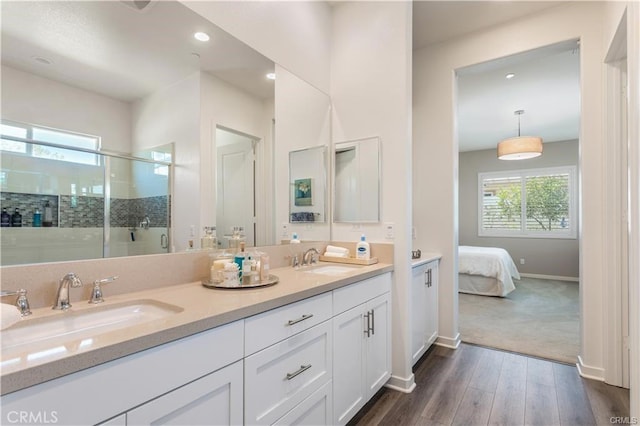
x: 349, y: 390
x: 378, y: 344
x: 418, y: 312
x: 215, y: 399
x: 431, y: 329
x: 313, y: 411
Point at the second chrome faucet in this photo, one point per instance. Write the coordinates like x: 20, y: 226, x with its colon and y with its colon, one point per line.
x: 70, y: 280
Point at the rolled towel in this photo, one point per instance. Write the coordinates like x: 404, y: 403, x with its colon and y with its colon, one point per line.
x: 335, y: 249
x: 9, y: 315
x: 329, y: 254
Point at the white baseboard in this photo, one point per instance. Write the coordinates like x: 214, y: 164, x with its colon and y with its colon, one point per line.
x: 448, y: 342
x: 590, y: 372
x: 550, y: 277
x: 405, y: 385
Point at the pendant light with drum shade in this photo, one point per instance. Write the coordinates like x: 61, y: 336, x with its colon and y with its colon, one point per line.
x: 520, y: 147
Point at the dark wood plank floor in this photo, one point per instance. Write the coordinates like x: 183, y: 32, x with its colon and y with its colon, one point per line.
x: 474, y: 385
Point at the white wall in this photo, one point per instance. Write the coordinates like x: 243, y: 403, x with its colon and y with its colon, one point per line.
x: 371, y: 93
x: 294, y: 34
x: 225, y: 105
x: 32, y: 99
x: 302, y: 115
x: 173, y: 115
x: 613, y: 19
x: 435, y: 152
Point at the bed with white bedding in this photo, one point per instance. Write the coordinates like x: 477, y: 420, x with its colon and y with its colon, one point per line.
x: 487, y: 271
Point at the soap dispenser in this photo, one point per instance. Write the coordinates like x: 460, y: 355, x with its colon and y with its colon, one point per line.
x: 363, y: 250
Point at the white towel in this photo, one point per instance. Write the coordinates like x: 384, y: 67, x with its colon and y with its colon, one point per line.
x: 329, y: 254
x: 335, y: 249
x: 10, y: 315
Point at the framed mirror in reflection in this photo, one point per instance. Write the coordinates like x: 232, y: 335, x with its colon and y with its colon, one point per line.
x: 357, y: 181
x: 138, y: 79
x: 308, y: 182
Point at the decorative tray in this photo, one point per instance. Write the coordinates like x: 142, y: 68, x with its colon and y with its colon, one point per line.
x: 349, y: 260
x: 271, y: 280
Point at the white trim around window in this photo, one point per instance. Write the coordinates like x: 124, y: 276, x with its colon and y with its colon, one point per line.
x: 496, y: 220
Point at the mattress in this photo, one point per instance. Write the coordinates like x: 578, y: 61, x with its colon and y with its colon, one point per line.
x: 487, y: 271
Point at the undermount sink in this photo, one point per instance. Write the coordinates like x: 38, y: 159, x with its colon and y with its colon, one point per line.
x: 57, y: 332
x: 332, y: 269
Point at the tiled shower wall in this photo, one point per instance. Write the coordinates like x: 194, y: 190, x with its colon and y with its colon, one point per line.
x: 88, y: 212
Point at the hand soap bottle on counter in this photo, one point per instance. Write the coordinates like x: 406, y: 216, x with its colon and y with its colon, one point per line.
x: 363, y: 250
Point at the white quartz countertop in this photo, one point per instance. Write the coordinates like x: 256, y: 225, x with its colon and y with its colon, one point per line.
x: 202, y: 309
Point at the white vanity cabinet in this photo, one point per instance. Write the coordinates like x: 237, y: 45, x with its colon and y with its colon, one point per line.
x: 424, y: 308
x: 288, y: 361
x: 362, y: 344
x: 171, y: 373
x: 281, y: 376
x: 215, y: 399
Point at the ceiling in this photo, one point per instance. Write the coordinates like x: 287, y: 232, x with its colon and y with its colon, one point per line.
x: 545, y: 86
x: 113, y: 48
x: 121, y: 51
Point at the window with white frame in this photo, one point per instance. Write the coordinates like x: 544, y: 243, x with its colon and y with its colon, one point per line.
x: 535, y: 203
x: 161, y: 169
x: 43, y: 134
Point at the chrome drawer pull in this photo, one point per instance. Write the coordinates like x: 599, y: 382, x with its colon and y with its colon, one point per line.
x: 302, y: 369
x: 367, y: 330
x: 302, y: 318
x: 373, y: 322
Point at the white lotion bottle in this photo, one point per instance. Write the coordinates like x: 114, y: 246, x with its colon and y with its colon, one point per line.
x: 363, y: 250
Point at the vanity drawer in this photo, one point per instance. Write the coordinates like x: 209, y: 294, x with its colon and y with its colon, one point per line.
x: 280, y: 377
x: 273, y: 326
x: 352, y: 295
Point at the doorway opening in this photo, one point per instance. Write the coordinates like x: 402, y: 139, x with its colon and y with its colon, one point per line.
x: 235, y: 185
x: 526, y: 208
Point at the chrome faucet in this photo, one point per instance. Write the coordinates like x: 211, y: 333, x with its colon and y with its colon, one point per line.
x: 96, y: 293
x: 309, y: 256
x: 21, y: 302
x: 62, y: 297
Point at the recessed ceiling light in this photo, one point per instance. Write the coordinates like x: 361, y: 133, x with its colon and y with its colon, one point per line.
x: 271, y: 76
x: 509, y: 76
x: 200, y: 36
x: 42, y: 60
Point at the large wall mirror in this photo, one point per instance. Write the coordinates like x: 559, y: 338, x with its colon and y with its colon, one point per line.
x: 357, y: 181
x: 133, y: 75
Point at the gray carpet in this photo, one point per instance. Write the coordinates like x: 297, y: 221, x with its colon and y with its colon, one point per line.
x: 539, y: 318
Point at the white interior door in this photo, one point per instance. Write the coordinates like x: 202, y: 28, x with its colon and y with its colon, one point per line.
x: 235, y: 184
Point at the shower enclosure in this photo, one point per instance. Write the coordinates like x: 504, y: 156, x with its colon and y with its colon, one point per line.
x: 102, y: 204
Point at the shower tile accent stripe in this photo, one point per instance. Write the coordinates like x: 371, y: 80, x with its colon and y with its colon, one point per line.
x: 88, y: 212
